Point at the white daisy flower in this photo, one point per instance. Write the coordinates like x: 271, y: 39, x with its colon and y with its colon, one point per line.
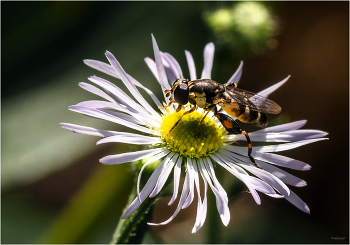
x: 198, y: 155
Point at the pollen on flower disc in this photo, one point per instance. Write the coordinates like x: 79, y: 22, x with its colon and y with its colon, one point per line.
x: 187, y: 138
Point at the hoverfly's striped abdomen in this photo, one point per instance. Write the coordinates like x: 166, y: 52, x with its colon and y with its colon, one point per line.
x: 244, y: 114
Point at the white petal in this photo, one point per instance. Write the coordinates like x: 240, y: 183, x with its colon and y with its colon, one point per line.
x: 270, y: 158
x: 96, y: 91
x: 269, y: 90
x: 174, y: 65
x: 177, y: 175
x: 118, y: 94
x: 237, y: 75
x: 130, y: 156
x: 211, y: 172
x: 136, y: 118
x: 208, y: 60
x: 191, y: 65
x: 286, y: 146
x: 131, y: 139
x: 169, y: 71
x: 243, y: 178
x: 255, y: 182
x: 282, y: 161
x: 131, y: 87
x: 282, y: 175
x: 160, y: 67
x: 266, y: 176
x: 272, y: 148
x: 197, y: 224
x: 258, y: 184
x: 152, y: 66
x: 108, y: 69
x: 87, y: 130
x: 286, y: 136
x: 296, y: 201
x: 205, y: 203
x: 98, y: 104
x: 96, y: 113
x: 169, y: 163
x: 149, y: 92
x: 269, y: 179
x: 221, y: 198
x: 283, y: 127
x: 275, y: 195
x: 190, y: 196
x: 103, y: 67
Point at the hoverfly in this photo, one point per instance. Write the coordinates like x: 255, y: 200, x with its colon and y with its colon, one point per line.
x: 246, y: 106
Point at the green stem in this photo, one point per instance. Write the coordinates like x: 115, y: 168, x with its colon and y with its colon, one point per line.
x: 132, y: 229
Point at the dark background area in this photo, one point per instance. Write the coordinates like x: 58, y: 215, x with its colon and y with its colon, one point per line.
x: 44, y: 169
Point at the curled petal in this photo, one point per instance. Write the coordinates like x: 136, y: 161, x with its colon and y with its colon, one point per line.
x: 184, y: 194
x: 152, y: 181
x: 151, y: 160
x: 221, y: 198
x: 169, y: 163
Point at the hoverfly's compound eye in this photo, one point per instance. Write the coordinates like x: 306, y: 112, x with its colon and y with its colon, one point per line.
x: 181, y: 93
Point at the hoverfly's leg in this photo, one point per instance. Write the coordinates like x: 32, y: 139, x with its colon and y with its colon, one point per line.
x: 251, y: 158
x: 233, y: 128
x: 179, y: 107
x: 170, y: 102
x: 208, y: 109
x: 195, y: 134
x: 185, y: 113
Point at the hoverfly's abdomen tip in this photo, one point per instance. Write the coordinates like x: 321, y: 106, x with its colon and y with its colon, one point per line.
x: 262, y: 120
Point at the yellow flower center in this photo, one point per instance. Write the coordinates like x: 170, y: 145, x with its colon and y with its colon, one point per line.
x: 187, y: 138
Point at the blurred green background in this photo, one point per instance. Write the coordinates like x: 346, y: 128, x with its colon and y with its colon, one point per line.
x: 53, y: 188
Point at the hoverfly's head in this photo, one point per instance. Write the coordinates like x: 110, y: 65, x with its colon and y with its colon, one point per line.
x: 180, y: 91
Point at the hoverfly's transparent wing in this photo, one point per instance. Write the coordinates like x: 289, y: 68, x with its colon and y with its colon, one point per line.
x: 253, y: 101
